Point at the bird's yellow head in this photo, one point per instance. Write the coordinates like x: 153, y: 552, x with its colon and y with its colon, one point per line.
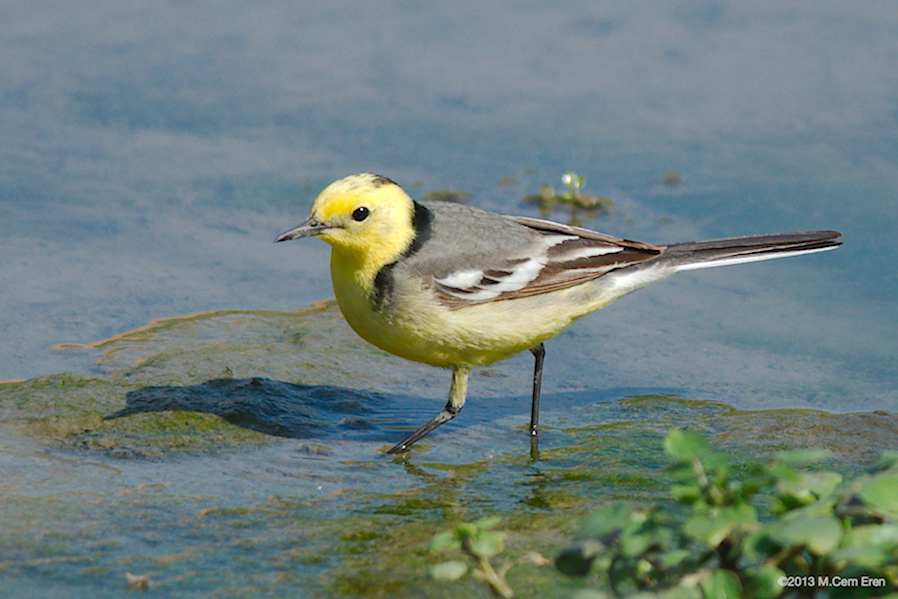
x: 367, y: 219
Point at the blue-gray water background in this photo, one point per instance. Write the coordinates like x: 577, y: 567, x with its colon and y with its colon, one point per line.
x: 151, y: 151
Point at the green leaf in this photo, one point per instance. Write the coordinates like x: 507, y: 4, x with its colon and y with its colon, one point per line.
x: 488, y: 522
x: 685, y: 446
x: 670, y: 559
x: 808, y: 487
x: 888, y: 459
x: 867, y: 546
x: 783, y: 472
x: 449, y: 571
x: 803, y: 457
x: 608, y: 519
x: 590, y: 594
x: 706, y: 530
x: 687, y: 494
x: 488, y: 544
x: 822, y: 483
x: 718, y: 464
x: 445, y: 540
x: 763, y: 583
x: 882, y: 491
x: 885, y: 535
x: 634, y: 545
x: 711, y: 529
x: 819, y: 533
x: 722, y: 584
x: 864, y: 556
x: 678, y: 592
x: 465, y: 530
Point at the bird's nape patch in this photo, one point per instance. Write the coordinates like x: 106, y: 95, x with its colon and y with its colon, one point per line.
x: 380, y: 181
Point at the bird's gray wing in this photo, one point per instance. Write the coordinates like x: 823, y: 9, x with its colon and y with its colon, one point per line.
x: 472, y: 257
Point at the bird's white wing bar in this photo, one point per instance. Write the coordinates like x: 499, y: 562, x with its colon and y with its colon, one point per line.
x: 461, y: 279
x: 553, y: 240
x: 588, y: 252
x: 480, y: 285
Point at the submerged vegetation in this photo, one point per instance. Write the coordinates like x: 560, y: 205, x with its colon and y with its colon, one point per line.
x: 448, y: 195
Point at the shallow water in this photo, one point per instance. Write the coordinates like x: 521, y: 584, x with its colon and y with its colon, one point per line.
x: 172, y: 463
x: 151, y: 155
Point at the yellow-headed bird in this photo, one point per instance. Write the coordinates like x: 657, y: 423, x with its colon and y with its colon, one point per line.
x: 458, y: 287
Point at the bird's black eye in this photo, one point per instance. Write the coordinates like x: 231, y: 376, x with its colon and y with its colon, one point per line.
x: 360, y: 214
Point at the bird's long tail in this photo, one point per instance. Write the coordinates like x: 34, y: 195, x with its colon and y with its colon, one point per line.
x: 737, y: 250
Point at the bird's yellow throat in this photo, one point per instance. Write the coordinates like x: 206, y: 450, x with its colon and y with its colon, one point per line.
x: 361, y: 248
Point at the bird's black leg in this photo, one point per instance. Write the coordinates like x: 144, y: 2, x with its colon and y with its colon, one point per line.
x: 539, y: 352
x: 457, y: 393
x: 446, y: 415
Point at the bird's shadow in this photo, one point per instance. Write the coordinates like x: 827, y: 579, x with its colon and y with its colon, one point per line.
x: 271, y: 407
x: 319, y: 411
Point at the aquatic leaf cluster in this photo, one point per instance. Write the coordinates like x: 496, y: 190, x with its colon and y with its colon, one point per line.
x: 762, y: 530
x: 573, y: 198
x: 479, y: 542
x: 781, y: 528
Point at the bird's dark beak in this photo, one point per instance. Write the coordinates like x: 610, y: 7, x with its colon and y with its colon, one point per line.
x: 307, y: 228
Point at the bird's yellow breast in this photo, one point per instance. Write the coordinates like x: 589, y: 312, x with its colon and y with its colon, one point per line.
x: 416, y: 326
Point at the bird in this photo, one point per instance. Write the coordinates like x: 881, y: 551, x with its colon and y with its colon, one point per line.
x: 458, y: 287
